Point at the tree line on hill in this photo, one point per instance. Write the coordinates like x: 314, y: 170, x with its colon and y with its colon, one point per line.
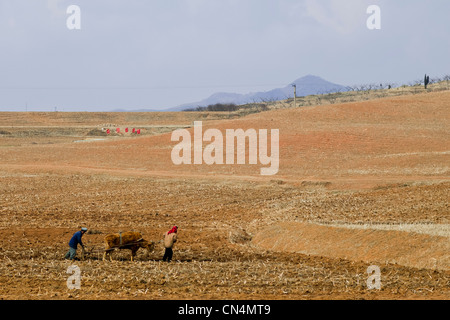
x: 228, y: 107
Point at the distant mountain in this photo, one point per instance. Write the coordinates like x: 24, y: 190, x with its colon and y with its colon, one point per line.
x: 308, y: 85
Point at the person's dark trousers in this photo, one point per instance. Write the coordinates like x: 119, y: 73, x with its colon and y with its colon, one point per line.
x: 71, y: 253
x: 168, y: 254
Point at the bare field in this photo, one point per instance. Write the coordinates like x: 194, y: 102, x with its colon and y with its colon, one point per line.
x: 379, y: 162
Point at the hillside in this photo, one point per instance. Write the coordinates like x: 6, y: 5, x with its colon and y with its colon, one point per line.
x: 351, y: 175
x: 362, y: 142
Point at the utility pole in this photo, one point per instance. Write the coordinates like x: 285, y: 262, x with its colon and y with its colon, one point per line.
x: 295, y: 95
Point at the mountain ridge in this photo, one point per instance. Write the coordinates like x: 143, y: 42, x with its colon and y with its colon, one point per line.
x: 307, y: 85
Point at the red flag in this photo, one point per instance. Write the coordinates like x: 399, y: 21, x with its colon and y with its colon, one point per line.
x: 138, y: 131
x: 118, y: 130
x: 134, y: 130
x: 108, y: 132
x: 126, y: 129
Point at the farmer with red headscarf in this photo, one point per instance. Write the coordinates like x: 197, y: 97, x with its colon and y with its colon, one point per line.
x: 170, y: 237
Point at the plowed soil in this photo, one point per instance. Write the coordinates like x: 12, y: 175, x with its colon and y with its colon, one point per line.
x: 383, y: 161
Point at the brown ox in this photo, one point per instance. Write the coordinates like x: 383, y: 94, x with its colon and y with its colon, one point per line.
x: 126, y: 240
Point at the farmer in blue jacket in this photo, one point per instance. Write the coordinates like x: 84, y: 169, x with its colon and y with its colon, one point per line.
x: 73, y: 244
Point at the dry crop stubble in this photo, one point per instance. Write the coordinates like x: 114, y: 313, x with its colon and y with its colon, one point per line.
x: 210, y: 264
x: 274, y: 276
x: 337, y: 166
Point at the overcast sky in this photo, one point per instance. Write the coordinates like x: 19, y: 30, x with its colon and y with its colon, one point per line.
x: 156, y: 54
